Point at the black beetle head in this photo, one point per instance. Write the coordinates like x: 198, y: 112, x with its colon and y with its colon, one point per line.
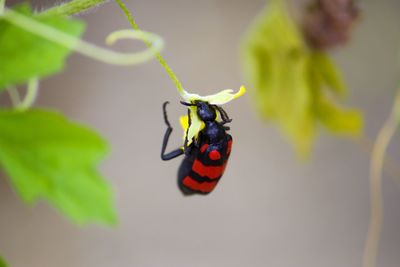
x: 205, y: 111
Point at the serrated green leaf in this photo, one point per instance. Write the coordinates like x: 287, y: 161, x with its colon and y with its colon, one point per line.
x: 2, y: 262
x: 289, y: 80
x: 50, y: 158
x: 24, y: 55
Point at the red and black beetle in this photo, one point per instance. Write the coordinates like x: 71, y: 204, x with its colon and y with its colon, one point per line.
x: 206, y: 157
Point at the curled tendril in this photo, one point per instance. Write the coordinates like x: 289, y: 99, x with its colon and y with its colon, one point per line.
x: 139, y: 57
x: 88, y: 49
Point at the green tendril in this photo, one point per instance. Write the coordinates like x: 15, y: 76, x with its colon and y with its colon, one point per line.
x: 72, y: 7
x: 156, y: 53
x: 31, y: 94
x: 88, y: 49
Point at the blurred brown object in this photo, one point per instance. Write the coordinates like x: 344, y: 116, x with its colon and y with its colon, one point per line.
x: 327, y: 23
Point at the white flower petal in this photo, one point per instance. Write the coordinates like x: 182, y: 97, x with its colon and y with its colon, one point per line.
x: 220, y: 98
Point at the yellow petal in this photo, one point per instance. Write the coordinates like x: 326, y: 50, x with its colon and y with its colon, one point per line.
x: 224, y: 96
x: 196, y: 125
x: 185, y: 124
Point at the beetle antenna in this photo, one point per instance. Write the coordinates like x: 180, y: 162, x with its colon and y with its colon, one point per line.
x: 187, y: 104
x: 165, y: 114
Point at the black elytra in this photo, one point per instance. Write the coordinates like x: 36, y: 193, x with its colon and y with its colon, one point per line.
x: 206, y: 157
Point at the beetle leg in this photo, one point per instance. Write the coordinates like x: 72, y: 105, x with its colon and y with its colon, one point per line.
x: 165, y: 114
x: 224, y: 115
x: 175, y: 153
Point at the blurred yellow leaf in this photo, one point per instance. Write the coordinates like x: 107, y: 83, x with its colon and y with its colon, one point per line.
x: 328, y: 72
x: 338, y: 120
x: 289, y: 79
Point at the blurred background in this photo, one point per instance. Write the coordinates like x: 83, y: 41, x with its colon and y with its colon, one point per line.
x: 269, y: 209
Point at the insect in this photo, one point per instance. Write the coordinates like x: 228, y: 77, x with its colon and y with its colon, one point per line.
x: 207, y: 155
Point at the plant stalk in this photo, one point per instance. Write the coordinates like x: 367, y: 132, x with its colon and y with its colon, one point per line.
x: 390, y: 166
x: 14, y: 96
x: 2, y: 5
x: 72, y: 7
x: 88, y: 49
x: 377, y: 161
x: 157, y: 54
x: 31, y: 94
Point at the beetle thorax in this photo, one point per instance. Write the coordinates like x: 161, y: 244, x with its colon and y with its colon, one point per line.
x: 214, y: 131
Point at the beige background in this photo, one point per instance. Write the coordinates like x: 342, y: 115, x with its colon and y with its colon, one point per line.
x: 269, y: 210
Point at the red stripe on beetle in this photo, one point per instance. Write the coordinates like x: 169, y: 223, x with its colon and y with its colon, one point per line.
x: 212, y: 172
x: 204, y: 187
x: 203, y: 148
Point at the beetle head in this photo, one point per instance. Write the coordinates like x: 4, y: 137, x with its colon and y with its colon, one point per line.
x: 205, y: 111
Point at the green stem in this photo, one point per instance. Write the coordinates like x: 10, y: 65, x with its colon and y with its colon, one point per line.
x: 156, y: 53
x: 72, y: 7
x: 31, y: 94
x: 86, y: 48
x: 390, y: 166
x: 377, y: 162
x: 2, y: 5
x: 14, y: 96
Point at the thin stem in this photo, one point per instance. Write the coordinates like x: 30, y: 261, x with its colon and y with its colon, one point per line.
x: 390, y: 166
x: 86, y: 48
x: 377, y: 160
x: 31, y: 94
x: 162, y: 61
x: 72, y: 7
x: 14, y: 96
x: 2, y: 5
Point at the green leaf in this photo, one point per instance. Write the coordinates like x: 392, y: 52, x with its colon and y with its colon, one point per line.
x: 50, y: 158
x: 2, y: 262
x: 289, y: 80
x: 25, y: 55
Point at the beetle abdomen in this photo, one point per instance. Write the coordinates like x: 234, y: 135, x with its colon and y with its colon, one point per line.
x: 202, y: 169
